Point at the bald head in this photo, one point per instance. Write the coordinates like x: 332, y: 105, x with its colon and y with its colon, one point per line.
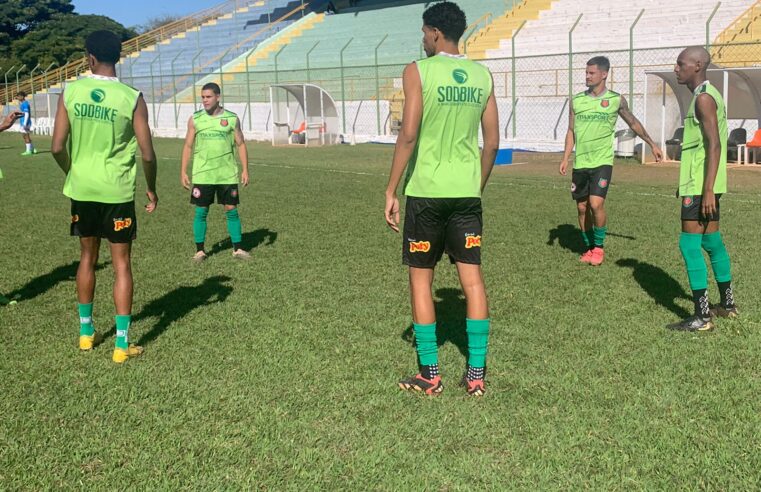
x: 691, y: 66
x: 698, y: 56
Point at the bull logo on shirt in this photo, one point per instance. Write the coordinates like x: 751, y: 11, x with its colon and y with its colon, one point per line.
x: 604, y: 103
x: 224, y: 122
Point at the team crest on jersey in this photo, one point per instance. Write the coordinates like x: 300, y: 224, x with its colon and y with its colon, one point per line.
x: 234, y: 193
x: 460, y: 76
x: 224, y: 122
x: 687, y: 201
x: 98, y: 95
x: 604, y: 103
x: 603, y: 183
x: 196, y: 193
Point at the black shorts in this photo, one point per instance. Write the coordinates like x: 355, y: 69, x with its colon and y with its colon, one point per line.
x: 433, y: 226
x: 113, y: 221
x: 202, y: 195
x: 592, y: 181
x: 691, y: 209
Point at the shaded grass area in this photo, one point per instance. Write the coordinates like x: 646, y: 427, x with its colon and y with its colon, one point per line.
x: 280, y: 373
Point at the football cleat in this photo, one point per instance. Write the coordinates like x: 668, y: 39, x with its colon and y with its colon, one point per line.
x: 239, y: 254
x: 597, y: 256
x: 586, y: 257
x: 431, y: 386
x: 88, y: 342
x: 693, y: 323
x: 200, y: 256
x: 122, y: 355
x: 719, y: 311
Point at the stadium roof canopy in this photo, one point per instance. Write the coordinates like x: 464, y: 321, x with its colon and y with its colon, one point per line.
x: 739, y: 86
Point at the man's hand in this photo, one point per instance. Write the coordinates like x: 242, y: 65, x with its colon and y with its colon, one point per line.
x: 392, y: 211
x: 244, y: 177
x: 708, y: 205
x: 153, y: 201
x: 563, y: 167
x: 657, y: 153
x: 185, y: 180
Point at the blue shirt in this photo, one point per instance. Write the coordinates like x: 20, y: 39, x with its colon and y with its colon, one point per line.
x: 26, y: 108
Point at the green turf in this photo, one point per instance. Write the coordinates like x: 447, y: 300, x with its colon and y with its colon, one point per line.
x: 281, y: 373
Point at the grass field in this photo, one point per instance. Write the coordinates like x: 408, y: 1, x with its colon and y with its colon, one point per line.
x: 280, y: 373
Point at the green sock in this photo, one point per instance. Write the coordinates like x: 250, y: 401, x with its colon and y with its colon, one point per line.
x: 599, y: 235
x: 714, y: 246
x: 588, y: 238
x: 233, y: 225
x: 86, y: 327
x: 425, y: 338
x: 697, y: 273
x: 199, y: 224
x: 122, y: 330
x: 478, y: 339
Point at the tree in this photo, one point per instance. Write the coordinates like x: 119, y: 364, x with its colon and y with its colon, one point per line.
x: 62, y: 39
x: 156, y: 22
x: 18, y: 17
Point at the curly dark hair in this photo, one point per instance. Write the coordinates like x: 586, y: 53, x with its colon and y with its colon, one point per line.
x: 448, y: 18
x: 105, y: 46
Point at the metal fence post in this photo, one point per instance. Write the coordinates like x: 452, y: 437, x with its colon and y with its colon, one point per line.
x: 570, y: 56
x: 377, y: 85
x: 174, y: 89
x: 277, y: 78
x: 309, y: 75
x: 631, y: 60
x: 512, y: 70
x: 248, y: 88
x: 343, y: 88
x: 31, y: 91
x: 6, y: 83
x: 45, y: 81
x: 18, y: 86
x: 708, y: 25
x: 222, y: 75
x: 153, y: 90
x: 195, y: 81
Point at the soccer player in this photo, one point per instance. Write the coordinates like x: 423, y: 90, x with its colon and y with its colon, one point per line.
x: 4, y: 125
x: 26, y: 123
x: 104, y: 121
x: 702, y: 180
x: 446, y: 98
x: 213, y: 134
x: 591, y: 126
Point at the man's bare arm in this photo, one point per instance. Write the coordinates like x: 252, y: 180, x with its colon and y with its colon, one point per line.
x: 61, y: 130
x: 490, y: 131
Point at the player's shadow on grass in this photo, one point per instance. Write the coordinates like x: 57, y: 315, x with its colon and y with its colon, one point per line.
x: 662, y: 287
x: 450, y: 320
x: 569, y: 237
x: 175, y: 305
x: 40, y: 285
x: 249, y: 241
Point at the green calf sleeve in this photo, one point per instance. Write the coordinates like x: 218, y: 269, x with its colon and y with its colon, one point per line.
x: 689, y: 245
x: 425, y: 338
x: 199, y: 224
x: 233, y: 225
x: 478, y: 340
x: 714, y: 246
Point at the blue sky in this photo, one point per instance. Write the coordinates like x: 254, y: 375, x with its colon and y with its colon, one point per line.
x: 134, y: 12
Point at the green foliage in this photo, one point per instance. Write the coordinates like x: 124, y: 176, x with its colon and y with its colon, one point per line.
x: 18, y: 17
x: 62, y: 39
x: 279, y: 373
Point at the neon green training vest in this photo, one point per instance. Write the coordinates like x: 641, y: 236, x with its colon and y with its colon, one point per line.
x: 594, y: 127
x: 102, y: 140
x: 214, y: 148
x: 693, y: 166
x: 446, y: 162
